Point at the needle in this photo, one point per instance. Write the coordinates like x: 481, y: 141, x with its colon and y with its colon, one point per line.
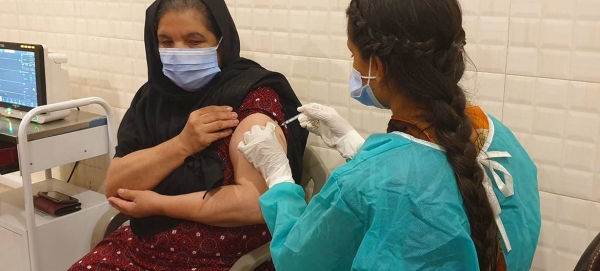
x: 285, y: 123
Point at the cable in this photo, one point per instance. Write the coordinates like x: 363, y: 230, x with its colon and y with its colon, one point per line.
x: 72, y: 171
x: 76, y: 163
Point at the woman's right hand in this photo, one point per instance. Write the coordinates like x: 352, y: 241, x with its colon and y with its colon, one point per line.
x: 335, y: 131
x: 205, y: 126
x: 325, y: 122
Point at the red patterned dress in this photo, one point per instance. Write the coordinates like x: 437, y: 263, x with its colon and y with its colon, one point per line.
x: 190, y: 245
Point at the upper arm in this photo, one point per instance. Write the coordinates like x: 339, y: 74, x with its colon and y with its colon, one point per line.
x: 128, y: 135
x: 114, y: 162
x: 244, y: 171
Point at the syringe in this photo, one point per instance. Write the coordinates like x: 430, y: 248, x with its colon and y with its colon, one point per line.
x: 285, y: 123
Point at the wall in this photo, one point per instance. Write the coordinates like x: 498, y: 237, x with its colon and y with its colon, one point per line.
x: 538, y: 69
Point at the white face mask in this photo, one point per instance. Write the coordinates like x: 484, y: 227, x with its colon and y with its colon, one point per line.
x: 190, y: 69
x: 363, y: 94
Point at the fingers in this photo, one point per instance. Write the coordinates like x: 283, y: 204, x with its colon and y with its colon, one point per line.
x: 303, y: 118
x: 313, y: 129
x: 219, y: 125
x: 122, y: 205
x: 207, y: 125
x: 117, y: 207
x: 270, y: 126
x: 308, y: 107
x: 260, y: 142
x: 247, y: 137
x: 258, y: 130
x: 313, y: 111
x: 214, y: 116
x: 219, y: 135
x: 213, y: 108
x: 242, y: 146
x: 126, y: 194
x: 309, y: 124
x: 114, y: 205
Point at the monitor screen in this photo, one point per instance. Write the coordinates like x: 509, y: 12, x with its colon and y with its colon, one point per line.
x: 22, y: 83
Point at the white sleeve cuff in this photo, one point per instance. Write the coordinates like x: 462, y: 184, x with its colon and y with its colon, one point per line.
x: 350, y: 144
x: 282, y: 179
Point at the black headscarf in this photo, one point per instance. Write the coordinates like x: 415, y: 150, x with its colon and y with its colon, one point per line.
x: 160, y: 110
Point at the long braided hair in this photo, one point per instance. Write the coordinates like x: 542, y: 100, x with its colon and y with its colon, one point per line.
x: 421, y: 44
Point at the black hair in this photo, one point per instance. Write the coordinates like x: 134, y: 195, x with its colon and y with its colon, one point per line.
x: 196, y: 5
x: 421, y: 44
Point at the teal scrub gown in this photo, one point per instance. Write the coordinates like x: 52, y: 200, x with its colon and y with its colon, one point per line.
x: 396, y: 206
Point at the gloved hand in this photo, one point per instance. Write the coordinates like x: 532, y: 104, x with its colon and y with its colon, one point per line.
x: 262, y: 148
x: 335, y: 131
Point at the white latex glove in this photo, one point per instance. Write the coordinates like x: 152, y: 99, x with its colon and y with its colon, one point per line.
x: 262, y: 148
x: 335, y: 131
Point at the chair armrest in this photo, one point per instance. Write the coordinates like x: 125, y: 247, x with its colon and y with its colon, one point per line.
x: 316, y: 169
x: 590, y: 261
x: 107, y: 224
x: 253, y: 259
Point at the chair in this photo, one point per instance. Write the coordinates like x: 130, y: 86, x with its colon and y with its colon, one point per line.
x: 590, y: 260
x: 314, y: 169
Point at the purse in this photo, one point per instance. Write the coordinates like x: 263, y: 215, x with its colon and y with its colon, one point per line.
x: 54, y: 208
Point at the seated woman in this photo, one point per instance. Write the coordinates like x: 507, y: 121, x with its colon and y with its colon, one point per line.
x: 192, y: 196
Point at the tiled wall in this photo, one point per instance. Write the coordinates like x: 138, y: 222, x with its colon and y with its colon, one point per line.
x: 538, y: 69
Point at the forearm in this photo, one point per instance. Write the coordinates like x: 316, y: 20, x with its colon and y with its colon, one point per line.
x: 144, y: 169
x: 228, y: 206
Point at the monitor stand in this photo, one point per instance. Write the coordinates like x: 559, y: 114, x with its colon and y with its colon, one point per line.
x: 42, y: 118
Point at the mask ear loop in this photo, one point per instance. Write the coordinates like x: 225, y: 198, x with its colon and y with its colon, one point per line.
x: 370, y: 67
x: 219, y: 44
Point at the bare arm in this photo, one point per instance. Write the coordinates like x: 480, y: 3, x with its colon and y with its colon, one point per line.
x: 144, y: 169
x: 231, y: 205
x: 139, y: 170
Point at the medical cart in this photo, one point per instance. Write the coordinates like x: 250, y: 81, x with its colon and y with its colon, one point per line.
x: 29, y: 239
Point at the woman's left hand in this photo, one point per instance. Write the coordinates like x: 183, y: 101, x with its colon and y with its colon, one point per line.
x: 137, y: 203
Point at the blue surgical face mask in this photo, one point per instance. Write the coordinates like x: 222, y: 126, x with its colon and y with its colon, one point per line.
x: 190, y: 69
x: 363, y: 94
